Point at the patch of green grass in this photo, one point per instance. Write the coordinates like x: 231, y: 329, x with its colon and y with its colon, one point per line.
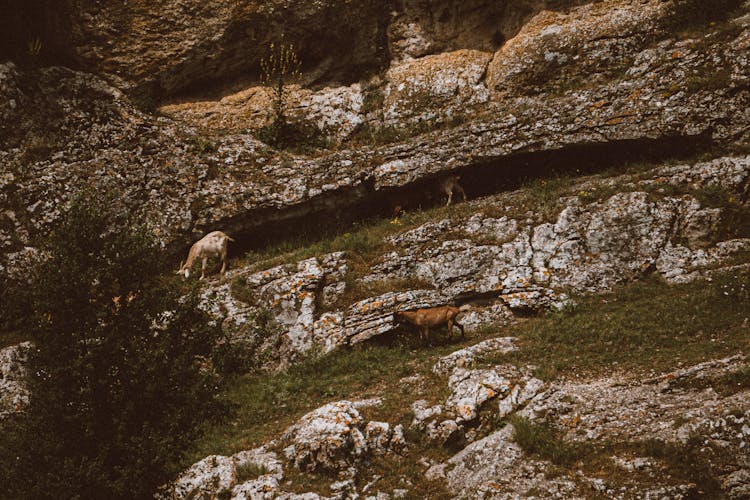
x: 249, y: 471
x: 646, y: 326
x: 543, y: 194
x: 709, y: 79
x: 266, y: 403
x: 725, y: 384
x: 684, y: 461
x: 544, y: 441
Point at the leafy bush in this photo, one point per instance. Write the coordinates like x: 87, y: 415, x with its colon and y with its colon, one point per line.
x: 116, y: 392
x: 247, y: 348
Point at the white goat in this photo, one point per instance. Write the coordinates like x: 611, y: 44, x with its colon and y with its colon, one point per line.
x: 214, y: 244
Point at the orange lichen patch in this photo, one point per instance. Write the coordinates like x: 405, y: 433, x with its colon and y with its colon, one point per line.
x: 493, y: 485
x: 616, y: 120
x: 490, y: 393
x: 572, y: 421
x: 676, y: 54
x: 600, y: 104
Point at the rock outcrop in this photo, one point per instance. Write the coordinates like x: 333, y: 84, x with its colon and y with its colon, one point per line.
x: 513, y: 264
x: 163, y: 111
x: 666, y: 90
x: 14, y: 395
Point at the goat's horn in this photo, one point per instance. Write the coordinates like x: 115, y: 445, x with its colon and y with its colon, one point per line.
x: 182, y: 262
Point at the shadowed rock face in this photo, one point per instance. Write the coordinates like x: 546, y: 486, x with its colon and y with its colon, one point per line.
x: 157, y: 50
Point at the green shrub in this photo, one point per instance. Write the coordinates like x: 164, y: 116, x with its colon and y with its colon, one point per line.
x: 116, y: 392
x: 247, y: 348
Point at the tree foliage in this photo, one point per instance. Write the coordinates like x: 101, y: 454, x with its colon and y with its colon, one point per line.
x: 116, y: 391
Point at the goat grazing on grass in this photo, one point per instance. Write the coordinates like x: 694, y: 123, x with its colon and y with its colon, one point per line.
x: 214, y: 244
x: 449, y: 185
x: 433, y: 316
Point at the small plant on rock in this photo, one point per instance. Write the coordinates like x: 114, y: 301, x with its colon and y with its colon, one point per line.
x: 280, y: 68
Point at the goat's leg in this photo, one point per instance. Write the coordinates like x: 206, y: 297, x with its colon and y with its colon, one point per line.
x: 450, y: 197
x: 450, y: 329
x: 223, y: 263
x: 461, y: 190
x: 203, y: 267
x: 460, y: 326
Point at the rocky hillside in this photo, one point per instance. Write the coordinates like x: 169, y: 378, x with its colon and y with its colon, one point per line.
x: 602, y: 260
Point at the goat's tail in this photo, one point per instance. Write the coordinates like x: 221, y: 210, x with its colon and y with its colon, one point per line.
x: 229, y: 238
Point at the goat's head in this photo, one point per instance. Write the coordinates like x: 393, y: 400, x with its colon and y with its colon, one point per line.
x: 184, y: 270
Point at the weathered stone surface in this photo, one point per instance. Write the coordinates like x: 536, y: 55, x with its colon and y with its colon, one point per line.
x: 464, y: 358
x: 207, y: 478
x: 374, y: 316
x: 673, y: 408
x: 435, y: 87
x: 184, y: 183
x: 423, y: 412
x: 336, y: 437
x: 597, y: 409
x: 737, y: 484
x: 472, y: 388
x: 263, y: 488
x: 334, y: 112
x: 595, y: 40
x: 13, y: 393
x: 216, y: 475
x: 590, y: 247
x: 293, y: 293
x: 495, y: 465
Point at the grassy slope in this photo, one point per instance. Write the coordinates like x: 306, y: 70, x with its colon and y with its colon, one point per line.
x: 641, y: 329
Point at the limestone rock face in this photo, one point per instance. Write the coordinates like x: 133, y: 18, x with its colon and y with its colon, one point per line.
x: 595, y: 40
x: 186, y: 183
x: 496, y: 464
x: 335, y: 437
x: 438, y: 86
x: 291, y: 294
x: 159, y: 51
x: 589, y: 247
x: 507, y: 263
x: 13, y: 393
x: 219, y: 475
x: 464, y: 358
x: 472, y: 388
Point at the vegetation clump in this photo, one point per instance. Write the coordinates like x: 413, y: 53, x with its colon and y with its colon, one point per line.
x: 116, y: 391
x: 279, y: 69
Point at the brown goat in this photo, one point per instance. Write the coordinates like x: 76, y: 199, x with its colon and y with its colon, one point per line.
x: 433, y: 316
